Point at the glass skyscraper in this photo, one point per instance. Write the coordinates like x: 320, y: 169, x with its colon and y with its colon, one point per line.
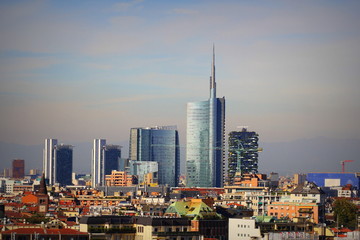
x: 105, y: 158
x: 63, y: 164
x: 58, y: 162
x: 205, y: 137
x: 158, y: 144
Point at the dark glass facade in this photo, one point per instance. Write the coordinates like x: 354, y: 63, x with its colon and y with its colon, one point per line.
x: 112, y: 154
x: 63, y: 164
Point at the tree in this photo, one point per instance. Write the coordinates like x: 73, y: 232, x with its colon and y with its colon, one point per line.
x: 345, y: 213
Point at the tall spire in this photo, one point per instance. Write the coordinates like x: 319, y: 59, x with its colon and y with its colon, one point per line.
x: 212, y: 77
x: 43, y: 189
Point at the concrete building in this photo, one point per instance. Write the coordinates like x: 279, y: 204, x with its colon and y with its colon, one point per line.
x: 18, y: 168
x: 243, y: 154
x: 205, y: 138
x: 255, y: 198
x: 299, y: 178
x: 118, y: 178
x: 243, y: 229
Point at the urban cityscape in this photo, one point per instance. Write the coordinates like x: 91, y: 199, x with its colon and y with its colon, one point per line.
x: 188, y: 168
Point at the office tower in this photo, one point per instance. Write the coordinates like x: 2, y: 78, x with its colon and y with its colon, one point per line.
x: 18, y: 168
x: 243, y: 153
x: 58, y: 162
x: 49, y: 160
x: 205, y: 159
x: 105, y: 158
x: 6, y: 173
x: 157, y: 144
x: 63, y: 164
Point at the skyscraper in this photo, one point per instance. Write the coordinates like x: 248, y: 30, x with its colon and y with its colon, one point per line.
x: 158, y: 144
x: 205, y: 159
x: 18, y: 168
x: 105, y: 158
x: 49, y: 160
x: 58, y: 162
x: 243, y: 153
x: 63, y: 164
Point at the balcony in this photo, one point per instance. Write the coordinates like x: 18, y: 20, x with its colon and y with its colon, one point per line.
x: 305, y: 210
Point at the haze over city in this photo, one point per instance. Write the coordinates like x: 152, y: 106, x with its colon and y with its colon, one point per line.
x: 289, y: 70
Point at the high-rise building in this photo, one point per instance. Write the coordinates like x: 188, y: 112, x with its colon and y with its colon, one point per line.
x: 63, y: 164
x: 58, y: 162
x: 242, y: 154
x: 49, y: 160
x: 205, y: 137
x: 18, y: 168
x: 105, y: 158
x: 7, y: 173
x: 157, y: 144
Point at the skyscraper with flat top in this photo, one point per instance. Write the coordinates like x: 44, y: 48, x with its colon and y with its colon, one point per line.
x: 205, y: 137
x: 105, y: 158
x: 49, y: 160
x: 58, y: 162
x: 243, y: 154
x: 157, y: 144
x: 18, y: 168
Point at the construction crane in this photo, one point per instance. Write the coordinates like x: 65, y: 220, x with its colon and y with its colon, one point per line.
x: 343, y: 164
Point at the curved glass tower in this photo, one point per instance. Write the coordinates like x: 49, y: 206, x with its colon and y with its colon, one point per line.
x: 205, y: 137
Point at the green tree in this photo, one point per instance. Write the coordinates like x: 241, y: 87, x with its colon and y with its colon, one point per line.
x: 345, y: 213
x: 37, y: 218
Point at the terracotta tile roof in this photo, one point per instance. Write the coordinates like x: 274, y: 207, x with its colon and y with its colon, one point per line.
x: 63, y: 231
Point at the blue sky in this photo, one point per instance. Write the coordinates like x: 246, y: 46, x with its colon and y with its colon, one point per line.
x: 79, y: 70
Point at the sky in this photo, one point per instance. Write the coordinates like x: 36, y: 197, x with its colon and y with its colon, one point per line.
x: 79, y: 70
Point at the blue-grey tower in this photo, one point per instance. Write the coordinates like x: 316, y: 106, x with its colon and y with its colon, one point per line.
x: 158, y: 144
x: 205, y: 137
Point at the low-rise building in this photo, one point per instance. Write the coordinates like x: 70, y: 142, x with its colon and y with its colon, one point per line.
x: 243, y: 229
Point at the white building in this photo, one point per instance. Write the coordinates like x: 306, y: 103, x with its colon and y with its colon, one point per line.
x: 243, y: 229
x: 97, y: 168
x: 49, y: 160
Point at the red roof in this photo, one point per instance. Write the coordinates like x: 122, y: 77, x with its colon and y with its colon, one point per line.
x: 335, y: 230
x: 63, y: 231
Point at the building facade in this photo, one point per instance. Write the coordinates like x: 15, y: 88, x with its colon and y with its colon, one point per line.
x: 105, y: 158
x: 157, y: 144
x: 118, y: 178
x: 49, y: 160
x: 243, y: 154
x: 18, y: 168
x: 63, y: 164
x: 58, y: 162
x: 142, y: 169
x: 205, y: 159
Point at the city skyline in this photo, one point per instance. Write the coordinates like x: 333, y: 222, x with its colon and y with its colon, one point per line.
x: 80, y: 71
